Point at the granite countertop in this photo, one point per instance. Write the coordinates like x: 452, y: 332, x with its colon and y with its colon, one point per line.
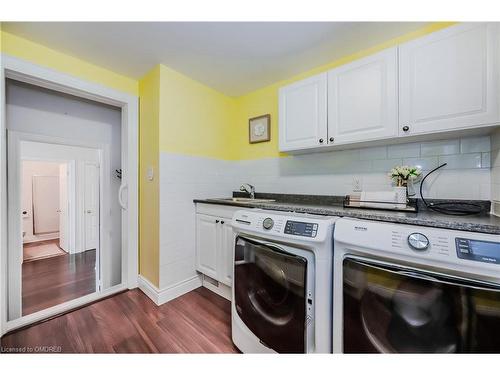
x: 332, y: 206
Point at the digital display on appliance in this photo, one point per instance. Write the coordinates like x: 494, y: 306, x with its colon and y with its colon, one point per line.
x: 482, y: 251
x: 490, y: 249
x: 299, y: 228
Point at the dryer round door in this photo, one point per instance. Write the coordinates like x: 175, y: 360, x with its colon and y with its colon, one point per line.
x: 393, y: 309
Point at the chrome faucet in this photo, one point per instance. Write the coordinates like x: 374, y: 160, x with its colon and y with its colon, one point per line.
x: 250, y: 189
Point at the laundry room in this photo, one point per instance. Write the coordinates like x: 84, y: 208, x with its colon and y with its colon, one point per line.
x: 250, y: 186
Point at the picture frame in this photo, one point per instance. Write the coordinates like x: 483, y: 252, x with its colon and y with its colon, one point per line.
x: 259, y: 129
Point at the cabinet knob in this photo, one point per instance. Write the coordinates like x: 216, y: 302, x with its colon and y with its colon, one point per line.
x: 222, y: 221
x: 216, y: 221
x: 406, y: 128
x: 321, y: 140
x: 332, y: 139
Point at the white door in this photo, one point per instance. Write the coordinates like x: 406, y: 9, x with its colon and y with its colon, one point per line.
x: 45, y: 204
x: 226, y: 247
x: 303, y: 114
x: 64, y: 226
x: 206, y: 244
x: 91, y: 206
x: 449, y: 79
x: 362, y: 99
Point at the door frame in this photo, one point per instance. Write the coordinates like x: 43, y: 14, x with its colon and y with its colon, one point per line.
x: 84, y: 201
x: 15, y: 240
x: 21, y: 70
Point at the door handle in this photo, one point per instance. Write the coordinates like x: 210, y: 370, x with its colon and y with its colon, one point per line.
x: 123, y: 205
x: 89, y: 211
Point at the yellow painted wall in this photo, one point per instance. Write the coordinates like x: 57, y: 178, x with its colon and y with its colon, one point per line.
x: 265, y: 101
x: 181, y: 115
x: 27, y: 50
x: 149, y: 193
x: 194, y: 119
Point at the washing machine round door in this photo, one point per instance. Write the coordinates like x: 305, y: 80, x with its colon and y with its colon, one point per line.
x: 269, y: 290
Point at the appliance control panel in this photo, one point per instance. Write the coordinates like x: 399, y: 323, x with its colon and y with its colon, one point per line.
x: 300, y: 228
x: 481, y: 251
x: 469, y: 251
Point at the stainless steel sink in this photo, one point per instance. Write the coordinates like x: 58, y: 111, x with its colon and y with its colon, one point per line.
x: 243, y: 200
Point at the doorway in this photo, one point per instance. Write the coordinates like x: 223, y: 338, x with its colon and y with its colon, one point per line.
x: 60, y: 211
x: 44, y: 209
x: 116, y: 136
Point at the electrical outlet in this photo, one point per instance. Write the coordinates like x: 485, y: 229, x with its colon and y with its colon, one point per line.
x: 357, y: 184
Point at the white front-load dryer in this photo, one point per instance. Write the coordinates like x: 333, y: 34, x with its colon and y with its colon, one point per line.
x: 282, y: 282
x: 410, y: 289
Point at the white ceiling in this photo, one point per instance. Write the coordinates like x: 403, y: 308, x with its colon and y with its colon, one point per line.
x: 232, y: 57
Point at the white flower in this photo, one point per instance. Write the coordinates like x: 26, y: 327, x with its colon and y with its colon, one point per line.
x: 404, y: 173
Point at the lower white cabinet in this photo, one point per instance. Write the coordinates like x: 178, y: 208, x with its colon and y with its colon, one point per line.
x: 214, y: 247
x: 207, y: 241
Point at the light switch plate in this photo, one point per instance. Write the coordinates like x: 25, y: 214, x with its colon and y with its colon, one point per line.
x: 150, y: 174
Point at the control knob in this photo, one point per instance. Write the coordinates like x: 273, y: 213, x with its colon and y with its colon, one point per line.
x: 268, y: 223
x: 418, y: 241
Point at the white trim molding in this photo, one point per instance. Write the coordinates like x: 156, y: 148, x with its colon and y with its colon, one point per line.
x: 59, y: 309
x: 161, y: 296
x: 21, y: 70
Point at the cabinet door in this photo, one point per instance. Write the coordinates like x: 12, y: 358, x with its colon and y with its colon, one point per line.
x: 362, y: 99
x: 206, y: 244
x: 302, y: 114
x: 449, y: 79
x: 226, y: 253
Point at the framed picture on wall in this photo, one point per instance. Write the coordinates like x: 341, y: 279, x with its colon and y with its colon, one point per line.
x: 259, y: 129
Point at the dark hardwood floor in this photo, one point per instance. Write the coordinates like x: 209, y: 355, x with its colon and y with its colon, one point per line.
x: 51, y: 281
x: 197, y: 322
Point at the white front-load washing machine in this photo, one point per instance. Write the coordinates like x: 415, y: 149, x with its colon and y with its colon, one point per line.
x: 282, y: 282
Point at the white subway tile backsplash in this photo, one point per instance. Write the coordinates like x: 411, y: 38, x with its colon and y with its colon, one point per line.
x: 475, y: 144
x: 495, y: 140
x: 425, y: 164
x: 495, y: 175
x: 385, y: 165
x: 406, y: 150
x: 461, y: 161
x: 447, y: 147
x: 373, y: 153
x: 495, y: 192
x: 485, y: 160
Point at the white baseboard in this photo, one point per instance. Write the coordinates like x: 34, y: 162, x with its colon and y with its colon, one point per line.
x: 220, y: 289
x: 160, y: 296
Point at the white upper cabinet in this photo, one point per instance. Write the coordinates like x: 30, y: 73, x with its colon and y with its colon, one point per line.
x: 363, y: 99
x: 303, y: 114
x: 449, y: 80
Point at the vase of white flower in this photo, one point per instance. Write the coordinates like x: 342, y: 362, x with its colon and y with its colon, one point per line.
x: 401, y: 175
